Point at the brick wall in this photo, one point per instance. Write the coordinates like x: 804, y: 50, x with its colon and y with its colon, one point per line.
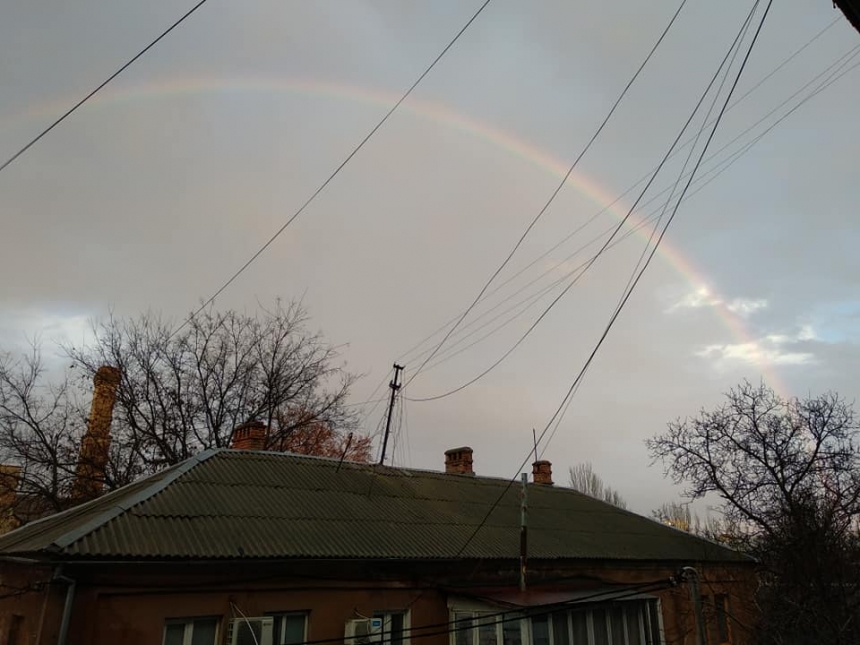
x: 130, y: 605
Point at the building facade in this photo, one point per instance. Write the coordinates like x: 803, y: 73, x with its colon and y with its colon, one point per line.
x: 238, y: 546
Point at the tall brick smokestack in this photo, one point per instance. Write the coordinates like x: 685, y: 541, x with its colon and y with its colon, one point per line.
x: 10, y: 476
x: 93, y: 455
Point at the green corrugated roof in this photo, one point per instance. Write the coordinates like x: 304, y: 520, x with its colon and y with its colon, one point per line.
x: 240, y: 504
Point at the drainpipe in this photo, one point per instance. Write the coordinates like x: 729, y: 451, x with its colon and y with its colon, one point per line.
x: 67, y: 607
x: 42, y: 613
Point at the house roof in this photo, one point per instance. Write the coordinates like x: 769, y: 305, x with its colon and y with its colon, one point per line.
x: 233, y: 504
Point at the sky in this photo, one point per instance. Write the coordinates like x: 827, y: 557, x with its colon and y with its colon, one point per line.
x: 153, y: 193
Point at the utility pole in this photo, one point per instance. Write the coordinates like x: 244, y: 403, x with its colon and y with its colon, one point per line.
x: 395, y: 386
x: 524, y: 530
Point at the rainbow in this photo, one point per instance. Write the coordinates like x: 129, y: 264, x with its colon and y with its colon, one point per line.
x: 441, y: 113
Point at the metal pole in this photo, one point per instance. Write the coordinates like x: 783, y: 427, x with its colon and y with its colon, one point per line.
x: 524, y: 516
x: 394, y: 385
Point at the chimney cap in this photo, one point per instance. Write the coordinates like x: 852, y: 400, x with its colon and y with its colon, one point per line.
x: 451, y: 451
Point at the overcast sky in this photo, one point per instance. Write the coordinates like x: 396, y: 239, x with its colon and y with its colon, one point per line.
x: 155, y: 192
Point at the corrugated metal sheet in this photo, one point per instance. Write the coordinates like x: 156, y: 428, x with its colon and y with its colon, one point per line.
x: 233, y: 504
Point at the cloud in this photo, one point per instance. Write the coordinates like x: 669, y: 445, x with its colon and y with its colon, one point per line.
x: 774, y: 349
x: 704, y: 297
x: 20, y: 327
x: 701, y: 297
x: 744, y: 306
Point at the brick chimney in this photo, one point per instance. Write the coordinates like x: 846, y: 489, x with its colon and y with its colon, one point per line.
x: 458, y: 461
x: 93, y: 454
x: 251, y: 435
x: 542, y: 472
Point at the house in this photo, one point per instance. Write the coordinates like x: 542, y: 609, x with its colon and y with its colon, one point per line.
x: 254, y: 547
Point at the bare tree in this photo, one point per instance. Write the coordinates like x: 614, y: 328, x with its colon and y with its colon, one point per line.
x: 184, y: 392
x: 179, y: 392
x: 787, y: 473
x: 41, y: 425
x: 681, y: 516
x: 678, y: 516
x: 585, y: 480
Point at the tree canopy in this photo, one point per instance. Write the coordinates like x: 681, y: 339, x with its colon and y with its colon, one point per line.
x: 787, y: 473
x: 585, y: 480
x: 181, y: 390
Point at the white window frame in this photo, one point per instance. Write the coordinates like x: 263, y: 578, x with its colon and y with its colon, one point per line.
x: 385, y: 615
x: 189, y: 628
x: 476, y: 610
x: 643, y: 605
x: 526, y: 635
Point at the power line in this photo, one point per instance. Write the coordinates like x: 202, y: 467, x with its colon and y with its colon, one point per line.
x: 721, y: 167
x: 600, y: 341
x: 69, y: 112
x: 644, y: 254
x: 606, y: 244
x: 402, y: 357
x: 840, y: 71
x: 510, y: 615
x: 337, y: 170
x: 645, y: 266
x: 554, y: 194
x: 711, y: 175
x: 565, y: 401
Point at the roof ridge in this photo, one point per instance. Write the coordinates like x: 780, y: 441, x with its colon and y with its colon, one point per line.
x: 124, y: 505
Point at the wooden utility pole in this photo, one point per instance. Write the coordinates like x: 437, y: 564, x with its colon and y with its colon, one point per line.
x: 524, y: 530
x: 395, y: 386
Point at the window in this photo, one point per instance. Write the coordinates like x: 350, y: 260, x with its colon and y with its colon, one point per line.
x: 393, y: 624
x: 622, y: 623
x: 290, y: 628
x: 191, y: 631
x: 718, y: 623
x: 487, y: 628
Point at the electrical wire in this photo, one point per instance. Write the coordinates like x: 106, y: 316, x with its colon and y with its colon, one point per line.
x: 376, y: 402
x: 510, y: 615
x: 643, y: 255
x: 336, y: 171
x: 565, y: 401
x: 603, y: 248
x: 553, y: 195
x: 247, y: 622
x: 406, y: 433
x: 72, y: 109
x: 578, y: 379
x: 681, y: 174
x: 840, y: 71
x: 755, y: 86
